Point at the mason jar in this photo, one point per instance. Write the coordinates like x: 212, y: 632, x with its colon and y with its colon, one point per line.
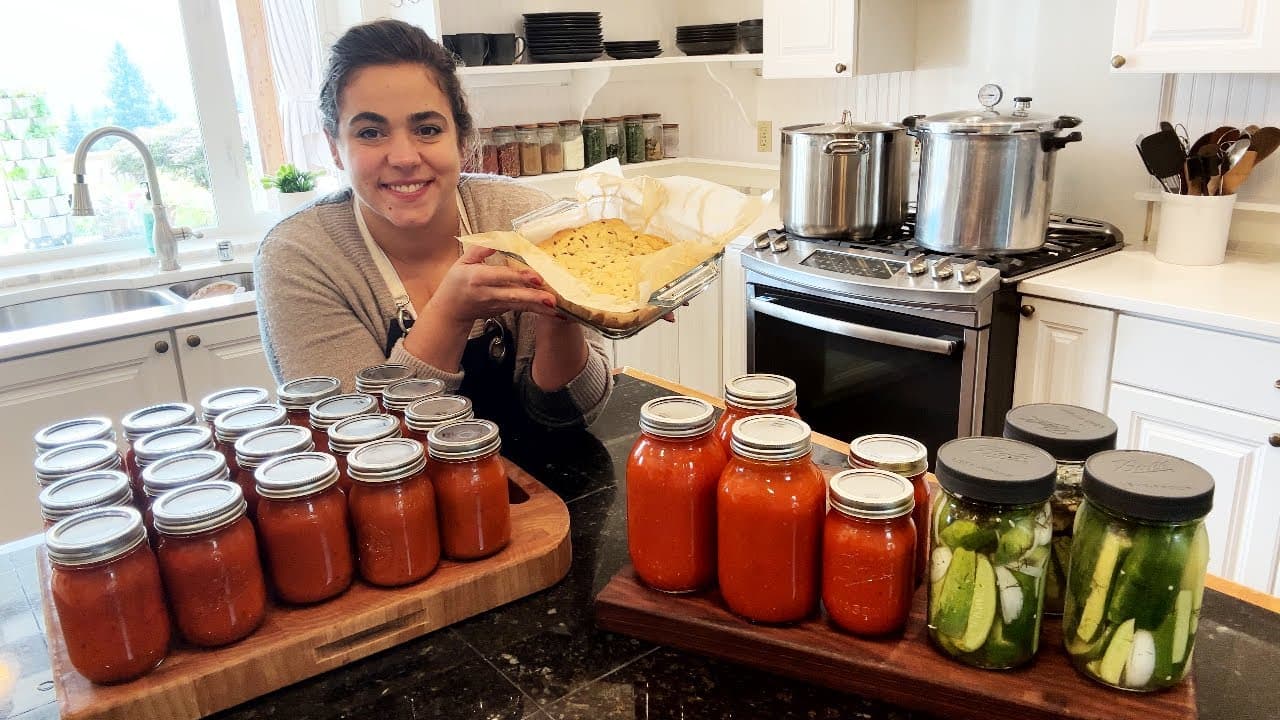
x: 297, y: 396
x: 551, y: 147
x: 146, y: 421
x: 69, y: 432
x: 174, y: 471
x: 84, y: 491
x: 393, y: 512
x: 397, y: 397
x: 652, y: 136
x: 910, y: 459
x: 425, y: 415
x: 593, y: 141
x: 260, y: 446
x: 302, y: 522
x: 471, y: 488
x: 326, y: 413
x: 574, y: 150
x: 754, y: 394
x: 214, y: 404
x: 373, y: 380
x: 633, y: 137
x: 235, y: 424
x: 68, y: 460
x: 348, y: 434
x: 614, y: 141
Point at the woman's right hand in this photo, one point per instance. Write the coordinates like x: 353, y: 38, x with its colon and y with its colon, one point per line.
x: 474, y: 290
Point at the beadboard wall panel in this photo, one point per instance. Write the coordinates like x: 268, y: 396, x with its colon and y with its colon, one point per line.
x: 1204, y: 102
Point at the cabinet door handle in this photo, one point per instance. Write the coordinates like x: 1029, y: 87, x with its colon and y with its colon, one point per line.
x: 162, y: 347
x: 1117, y: 61
x: 193, y: 341
x: 1027, y: 310
x: 1278, y: 384
x: 840, y: 68
x: 1274, y: 439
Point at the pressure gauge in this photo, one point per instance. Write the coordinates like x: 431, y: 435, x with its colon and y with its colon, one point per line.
x: 990, y: 95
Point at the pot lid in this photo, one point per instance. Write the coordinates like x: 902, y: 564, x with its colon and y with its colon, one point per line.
x: 989, y: 121
x: 846, y: 127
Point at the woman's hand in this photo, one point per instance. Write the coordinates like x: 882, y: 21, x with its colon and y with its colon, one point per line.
x: 473, y: 290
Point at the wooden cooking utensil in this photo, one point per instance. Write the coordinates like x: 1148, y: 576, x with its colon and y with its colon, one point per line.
x: 1238, y: 173
x: 1265, y: 141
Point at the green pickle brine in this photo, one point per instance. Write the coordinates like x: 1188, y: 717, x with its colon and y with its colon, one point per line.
x: 1137, y: 574
x: 990, y: 550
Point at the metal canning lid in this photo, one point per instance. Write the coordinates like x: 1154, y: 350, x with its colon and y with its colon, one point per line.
x: 1148, y: 485
x: 1066, y: 432
x: 871, y: 493
x: 349, y: 434
x: 304, y: 392
x: 69, y: 432
x: 156, y: 417
x: 423, y: 415
x: 463, y: 440
x: 760, y: 391
x: 79, y: 457
x: 185, y: 468
x: 94, y: 536
x: 238, y: 422
x: 840, y: 129
x: 676, y: 416
x: 996, y: 470
x: 296, y: 475
x: 373, y: 379
x: 162, y: 443
x: 386, y: 460
x: 82, y: 491
x: 260, y: 446
x: 987, y: 122
x: 403, y: 393
x: 331, y: 410
x: 198, y: 508
x: 770, y: 437
x: 894, y: 453
x: 217, y: 403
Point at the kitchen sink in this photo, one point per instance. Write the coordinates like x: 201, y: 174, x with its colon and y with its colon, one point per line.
x: 49, y: 311
x: 188, y: 288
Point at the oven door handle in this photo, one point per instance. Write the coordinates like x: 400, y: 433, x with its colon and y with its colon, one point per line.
x: 769, y: 306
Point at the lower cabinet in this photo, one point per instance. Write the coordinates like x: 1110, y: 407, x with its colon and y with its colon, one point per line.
x: 1064, y: 354
x: 687, y: 351
x: 222, y: 354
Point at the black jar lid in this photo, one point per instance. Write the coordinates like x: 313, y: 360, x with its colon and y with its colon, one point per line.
x: 996, y: 470
x: 1066, y: 432
x: 1148, y: 485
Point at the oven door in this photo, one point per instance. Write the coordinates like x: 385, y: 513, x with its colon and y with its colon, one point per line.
x: 861, y: 370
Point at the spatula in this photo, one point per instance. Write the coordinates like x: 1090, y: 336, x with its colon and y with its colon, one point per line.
x: 1164, y: 157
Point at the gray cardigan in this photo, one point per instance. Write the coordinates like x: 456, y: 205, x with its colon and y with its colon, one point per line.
x: 323, y: 307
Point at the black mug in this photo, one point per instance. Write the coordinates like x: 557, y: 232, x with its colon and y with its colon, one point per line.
x: 473, y: 48
x: 449, y: 44
x: 505, y: 48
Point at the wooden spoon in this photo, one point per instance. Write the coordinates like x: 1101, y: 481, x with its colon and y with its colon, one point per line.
x: 1265, y: 141
x: 1238, y: 173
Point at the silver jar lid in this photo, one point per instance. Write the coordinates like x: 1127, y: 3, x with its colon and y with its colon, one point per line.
x: 217, y: 403
x: 386, y: 460
x: 677, y: 416
x: 296, y: 475
x: 760, y: 391
x: 403, y: 393
x: 94, y: 536
x: 304, y: 392
x: 871, y: 493
x: 373, y: 379
x: 771, y: 438
x: 330, y: 410
x: 845, y: 129
x: 83, y: 491
x: 70, y: 432
x: 894, y: 453
x: 162, y: 443
x: 349, y: 434
x: 463, y: 440
x: 185, y: 468
x: 198, y: 508
x: 260, y: 446
x: 79, y: 457
x: 156, y: 417
x: 423, y: 415
x: 238, y: 422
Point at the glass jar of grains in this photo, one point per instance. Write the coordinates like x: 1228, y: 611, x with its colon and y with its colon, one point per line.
x: 504, y: 137
x: 613, y: 140
x: 633, y: 131
x: 571, y: 137
x: 593, y: 142
x: 652, y: 136
x: 552, y: 151
x: 670, y: 140
x: 488, y: 152
x: 530, y: 150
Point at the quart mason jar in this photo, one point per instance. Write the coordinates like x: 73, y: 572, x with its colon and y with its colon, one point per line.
x: 373, y: 380
x: 397, y: 397
x: 69, y: 432
x: 347, y: 435
x: 258, y: 447
x: 326, y: 413
x: 234, y: 424
x: 393, y: 512
x: 910, y: 459
x: 69, y: 460
x: 1139, y: 557
x: 146, y: 421
x: 303, y: 526
x: 754, y: 394
x: 471, y: 488
x: 425, y: 415
x: 84, y: 491
x: 214, y: 404
x: 297, y: 396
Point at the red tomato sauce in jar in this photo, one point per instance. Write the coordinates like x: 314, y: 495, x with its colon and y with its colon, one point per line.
x: 471, y: 489
x: 234, y: 424
x: 302, y: 523
x: 297, y: 396
x: 393, y: 511
x: 145, y: 421
x: 155, y: 446
x: 910, y: 459
x: 325, y: 413
x: 350, y: 433
x: 258, y: 447
x: 423, y: 416
x: 84, y: 491
x: 373, y: 380
x: 755, y: 394
x: 175, y: 471
x: 215, y: 404
x: 399, y: 395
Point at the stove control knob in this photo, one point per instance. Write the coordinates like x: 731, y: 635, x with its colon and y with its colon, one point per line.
x: 779, y: 245
x: 763, y: 240
x: 941, y: 269
x: 969, y: 273
x: 916, y: 265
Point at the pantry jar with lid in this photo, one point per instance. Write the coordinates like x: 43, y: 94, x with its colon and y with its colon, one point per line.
x: 673, y: 473
x: 393, y: 512
x: 1138, y: 561
x: 551, y: 147
x: 397, y: 397
x: 530, y: 150
x: 769, y: 515
x: 258, y: 447
x: 329, y: 411
x: 235, y: 424
x: 107, y: 591
x: 504, y: 137
x: 574, y: 149
x: 615, y: 142
x: 146, y: 421
x: 991, y: 536
x: 84, y: 491
x: 1070, y: 434
x: 76, y: 458
x: 754, y: 394
x: 488, y: 151
x: 471, y: 488
x: 633, y: 137
x: 593, y: 141
x: 652, y: 136
x: 373, y: 380
x: 350, y: 433
x: 297, y: 396
x: 69, y: 432
x: 910, y: 459
x: 219, y: 402
x: 425, y: 415
x: 302, y: 522
x: 670, y: 140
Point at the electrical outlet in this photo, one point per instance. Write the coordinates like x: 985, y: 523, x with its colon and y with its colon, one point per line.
x: 915, y: 150
x: 764, y: 136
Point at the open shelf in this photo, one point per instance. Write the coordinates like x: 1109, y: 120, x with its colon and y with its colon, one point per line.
x: 754, y: 178
x: 1154, y: 197
x: 748, y: 59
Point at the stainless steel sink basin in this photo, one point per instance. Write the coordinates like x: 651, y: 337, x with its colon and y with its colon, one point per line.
x: 49, y: 311
x: 188, y: 288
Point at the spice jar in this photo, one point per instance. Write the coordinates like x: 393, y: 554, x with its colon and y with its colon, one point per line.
x: 530, y: 150
x: 235, y: 424
x: 673, y: 473
x: 504, y: 137
x: 208, y: 555
x: 652, y: 136
x: 79, y: 457
x: 614, y: 140
x: 84, y: 491
x: 633, y: 137
x: 393, y: 512
x: 260, y: 446
x: 175, y: 471
x: 1138, y: 561
x: 755, y: 394
x: 552, y: 150
x: 217, y: 403
x: 574, y: 149
x: 425, y: 415
x: 907, y: 458
x: 70, y: 432
x: 593, y: 141
x: 1070, y: 434
x: 488, y: 151
x: 302, y: 521
x: 348, y: 434
x: 373, y: 380
x: 397, y: 397
x: 106, y: 588
x: 471, y: 488
x: 297, y: 396
x: 991, y: 536
x: 146, y: 421
x: 670, y: 140
x: 868, y: 551
x: 330, y: 410
x: 769, y: 515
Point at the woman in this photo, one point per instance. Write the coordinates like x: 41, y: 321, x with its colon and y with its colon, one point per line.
x: 375, y: 273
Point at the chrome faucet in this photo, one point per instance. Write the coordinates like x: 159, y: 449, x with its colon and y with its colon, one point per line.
x: 164, y: 237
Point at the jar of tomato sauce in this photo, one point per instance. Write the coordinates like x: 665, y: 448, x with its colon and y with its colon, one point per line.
x: 769, y: 514
x: 869, y: 551
x: 907, y: 458
x: 672, y: 476
x: 754, y: 394
x: 256, y: 448
x: 422, y: 416
x: 471, y: 488
x: 325, y: 413
x: 70, y: 432
x: 302, y: 521
x: 171, y: 441
x: 69, y: 460
x: 175, y: 471
x: 348, y: 434
x: 234, y: 424
x: 399, y: 395
x: 393, y: 512
x: 84, y: 491
x: 297, y: 396
x: 145, y: 421
x: 373, y: 380
x: 217, y: 403
x: 106, y: 589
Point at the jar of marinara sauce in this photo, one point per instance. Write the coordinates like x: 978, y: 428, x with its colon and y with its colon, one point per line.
x: 68, y: 460
x: 106, y: 589
x: 393, y: 512
x: 145, y: 421
x: 297, y: 396
x: 325, y: 413
x: 421, y: 417
x: 175, y: 471
x: 471, y: 488
x: 208, y: 556
x: 302, y: 521
x: 256, y: 448
x: 350, y: 433
x: 84, y: 491
x: 69, y: 432
x: 907, y: 458
x: 672, y: 476
x: 373, y: 380
x: 755, y: 394
x: 769, y: 514
x: 214, y: 404
x: 234, y: 424
x: 154, y: 446
x: 399, y: 395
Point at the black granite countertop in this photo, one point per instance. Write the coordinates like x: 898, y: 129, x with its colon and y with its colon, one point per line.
x: 541, y: 657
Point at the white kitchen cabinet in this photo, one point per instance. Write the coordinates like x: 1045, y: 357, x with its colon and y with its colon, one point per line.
x: 655, y: 350
x: 838, y: 38
x: 1188, y: 36
x: 222, y: 354
x: 1064, y: 354
x: 733, y: 314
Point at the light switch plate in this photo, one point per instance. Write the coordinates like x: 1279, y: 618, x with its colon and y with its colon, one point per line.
x: 764, y: 136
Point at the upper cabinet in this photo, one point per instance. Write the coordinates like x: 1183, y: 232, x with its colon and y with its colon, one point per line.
x: 838, y: 38
x: 1187, y: 36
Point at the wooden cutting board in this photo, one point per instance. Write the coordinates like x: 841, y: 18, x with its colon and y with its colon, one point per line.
x: 295, y: 643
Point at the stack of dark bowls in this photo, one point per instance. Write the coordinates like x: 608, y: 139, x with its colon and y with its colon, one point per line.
x: 563, y: 36
x: 707, y: 39
x: 633, y: 49
x: 751, y: 35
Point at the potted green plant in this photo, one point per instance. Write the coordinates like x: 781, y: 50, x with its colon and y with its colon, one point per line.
x: 19, y: 180
x: 38, y: 142
x: 38, y: 204
x: 10, y: 144
x: 296, y: 187
x: 47, y: 179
